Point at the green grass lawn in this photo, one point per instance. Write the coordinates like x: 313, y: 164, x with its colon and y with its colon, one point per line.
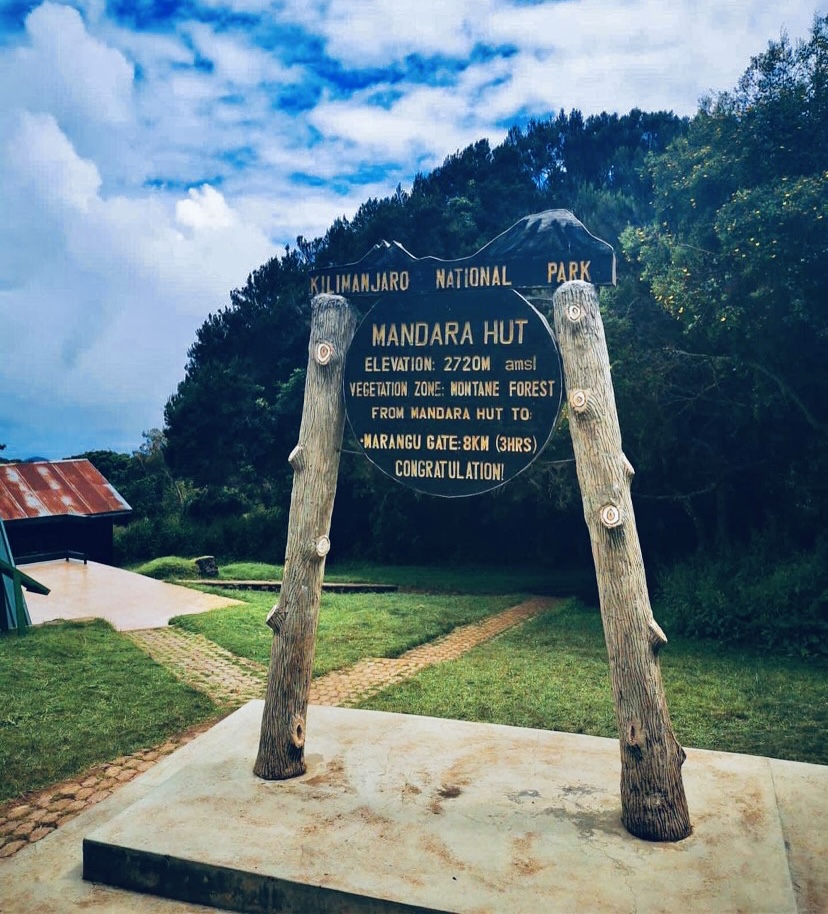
x: 464, y: 579
x: 351, y: 626
x: 552, y: 674
x: 76, y: 694
x: 79, y: 694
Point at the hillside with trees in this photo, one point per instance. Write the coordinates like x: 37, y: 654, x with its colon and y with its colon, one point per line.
x: 716, y: 332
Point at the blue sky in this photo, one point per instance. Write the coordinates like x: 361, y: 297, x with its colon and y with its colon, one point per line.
x: 153, y: 153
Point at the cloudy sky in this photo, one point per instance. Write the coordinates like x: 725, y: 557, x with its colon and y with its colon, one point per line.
x: 154, y: 152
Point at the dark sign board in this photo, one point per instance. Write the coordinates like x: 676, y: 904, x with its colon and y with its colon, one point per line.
x: 453, y: 394
x: 541, y: 251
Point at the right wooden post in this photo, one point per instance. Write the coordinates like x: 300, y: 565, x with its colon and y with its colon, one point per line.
x: 653, y: 801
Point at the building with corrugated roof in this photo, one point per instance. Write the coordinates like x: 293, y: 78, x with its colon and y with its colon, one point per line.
x: 59, y: 509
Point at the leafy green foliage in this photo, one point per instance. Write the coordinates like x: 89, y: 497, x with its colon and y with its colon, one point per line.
x: 143, y: 477
x: 167, y: 568
x: 259, y: 533
x: 736, y: 255
x: 75, y: 695
x: 751, y: 595
x: 231, y: 419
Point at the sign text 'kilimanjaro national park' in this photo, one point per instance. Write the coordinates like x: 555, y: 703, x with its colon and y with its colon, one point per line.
x: 544, y: 250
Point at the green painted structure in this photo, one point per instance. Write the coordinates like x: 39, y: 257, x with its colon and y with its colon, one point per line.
x: 15, y: 613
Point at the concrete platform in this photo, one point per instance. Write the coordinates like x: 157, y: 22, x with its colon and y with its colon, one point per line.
x: 400, y: 813
x: 127, y: 600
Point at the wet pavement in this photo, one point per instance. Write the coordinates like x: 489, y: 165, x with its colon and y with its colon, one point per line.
x: 128, y: 601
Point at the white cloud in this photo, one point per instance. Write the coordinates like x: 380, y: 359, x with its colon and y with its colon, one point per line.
x: 40, y: 157
x: 384, y: 31
x: 426, y: 122
x: 592, y: 54
x: 205, y: 208
x: 70, y: 73
x: 102, y: 295
x: 144, y: 186
x: 238, y: 62
x: 381, y: 32
x: 596, y: 55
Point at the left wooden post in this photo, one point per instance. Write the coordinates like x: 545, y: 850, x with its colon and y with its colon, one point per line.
x: 315, y: 462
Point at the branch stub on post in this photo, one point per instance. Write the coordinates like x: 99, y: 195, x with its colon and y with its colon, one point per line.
x: 574, y: 312
x: 579, y: 400
x: 322, y: 546
x: 276, y: 617
x: 323, y: 352
x: 656, y: 636
x: 611, y: 516
x: 296, y: 458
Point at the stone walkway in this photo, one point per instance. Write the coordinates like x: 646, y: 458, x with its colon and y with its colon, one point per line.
x: 369, y: 676
x: 231, y: 681
x: 227, y: 678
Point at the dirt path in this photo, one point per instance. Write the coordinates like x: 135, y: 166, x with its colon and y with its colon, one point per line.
x: 231, y: 681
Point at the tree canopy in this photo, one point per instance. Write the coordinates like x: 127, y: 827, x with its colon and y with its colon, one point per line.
x: 735, y: 255
x: 716, y: 328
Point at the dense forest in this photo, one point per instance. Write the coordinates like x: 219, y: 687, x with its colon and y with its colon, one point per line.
x: 716, y: 331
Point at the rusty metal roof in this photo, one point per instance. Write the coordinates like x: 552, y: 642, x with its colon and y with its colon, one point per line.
x: 56, y: 489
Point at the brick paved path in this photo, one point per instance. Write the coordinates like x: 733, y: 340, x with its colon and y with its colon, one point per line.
x: 202, y: 664
x: 231, y: 681
x: 347, y: 687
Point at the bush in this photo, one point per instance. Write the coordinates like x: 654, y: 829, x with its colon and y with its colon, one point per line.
x: 168, y: 568
x: 758, y: 595
x: 258, y: 535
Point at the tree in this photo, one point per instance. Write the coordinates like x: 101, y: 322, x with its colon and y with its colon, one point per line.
x: 143, y: 477
x: 231, y: 421
x: 736, y: 255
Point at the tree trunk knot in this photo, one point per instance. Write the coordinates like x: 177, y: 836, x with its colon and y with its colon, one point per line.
x: 574, y: 312
x: 635, y: 737
x: 297, y: 731
x: 579, y: 400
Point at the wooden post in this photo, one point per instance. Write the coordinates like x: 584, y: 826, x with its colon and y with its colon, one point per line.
x: 315, y: 462
x: 653, y: 802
